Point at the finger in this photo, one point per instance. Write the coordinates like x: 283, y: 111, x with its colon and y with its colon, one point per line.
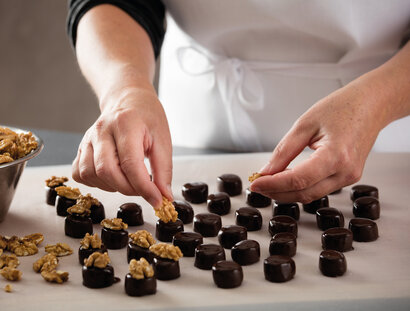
x: 130, y: 147
x: 317, y: 167
x: 107, y: 165
x: 288, y: 148
x: 87, y: 170
x: 74, y: 167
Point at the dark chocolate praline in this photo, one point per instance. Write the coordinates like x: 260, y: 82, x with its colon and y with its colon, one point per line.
x: 187, y: 242
x: 279, y: 268
x: 329, y: 217
x: 283, y: 224
x: 283, y: 243
x: 140, y: 287
x: 165, y: 231
x: 228, y: 236
x: 84, y: 253
x: 227, y: 274
x: 219, y: 203
x: 166, y: 269
x: 332, y: 263
x: 249, y: 217
x: 184, y: 210
x: 313, y: 206
x: 77, y: 226
x: 229, y: 183
x: 114, y: 239
x: 51, y: 194
x: 195, y: 192
x: 363, y: 191
x: 207, y: 224
x: 246, y: 252
x: 94, y: 277
x: 131, y: 214
x: 367, y: 207
x: 286, y: 209
x: 255, y: 199
x: 338, y: 239
x: 363, y: 229
x: 62, y: 204
x: 97, y: 213
x: 136, y: 252
x: 206, y: 255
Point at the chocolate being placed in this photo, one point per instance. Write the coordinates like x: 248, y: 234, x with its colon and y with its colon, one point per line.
x: 62, y: 203
x: 255, y: 199
x: 363, y: 229
x: 206, y: 255
x: 114, y: 239
x: 187, y: 242
x: 84, y: 253
x: 283, y: 224
x: 279, y: 268
x: 228, y: 236
x: 286, y: 209
x: 229, y: 183
x: 313, y: 206
x: 97, y: 213
x: 332, y: 263
x: 94, y: 277
x: 77, y: 226
x: 337, y: 191
x: 136, y: 252
x: 184, y: 210
x: 207, y: 224
x: 246, y: 252
x: 219, y: 203
x: 140, y: 287
x: 227, y: 274
x: 166, y: 269
x: 283, y: 243
x: 165, y: 231
x: 367, y: 207
x: 249, y: 217
x: 131, y: 214
x: 363, y: 191
x: 338, y: 239
x: 195, y: 192
x: 329, y: 217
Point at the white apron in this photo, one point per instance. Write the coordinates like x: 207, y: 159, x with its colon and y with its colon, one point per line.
x: 236, y: 74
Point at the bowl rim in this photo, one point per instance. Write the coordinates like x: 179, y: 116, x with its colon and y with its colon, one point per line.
x: 29, y: 156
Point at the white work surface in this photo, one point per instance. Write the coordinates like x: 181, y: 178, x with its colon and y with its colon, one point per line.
x: 378, y: 275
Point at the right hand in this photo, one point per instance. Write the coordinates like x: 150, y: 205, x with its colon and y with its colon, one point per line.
x: 132, y: 126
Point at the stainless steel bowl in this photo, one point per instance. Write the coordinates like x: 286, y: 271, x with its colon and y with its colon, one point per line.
x: 10, y: 175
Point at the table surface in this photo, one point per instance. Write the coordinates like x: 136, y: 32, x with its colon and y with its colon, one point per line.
x: 378, y: 275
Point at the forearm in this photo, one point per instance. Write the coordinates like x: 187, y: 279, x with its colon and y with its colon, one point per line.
x: 114, y: 52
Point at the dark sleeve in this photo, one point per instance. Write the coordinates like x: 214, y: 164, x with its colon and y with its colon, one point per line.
x: 150, y: 14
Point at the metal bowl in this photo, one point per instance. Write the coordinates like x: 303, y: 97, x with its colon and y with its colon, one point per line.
x: 10, y: 175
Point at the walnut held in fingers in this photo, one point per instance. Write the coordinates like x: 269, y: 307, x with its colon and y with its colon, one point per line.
x: 11, y: 274
x: 59, y: 249
x: 97, y: 260
x: 142, y: 238
x: 68, y: 192
x: 10, y: 261
x: 54, y: 181
x: 91, y: 240
x: 254, y: 176
x: 140, y: 269
x: 114, y: 224
x: 168, y: 251
x: 167, y: 211
x: 47, y: 262
x: 55, y: 276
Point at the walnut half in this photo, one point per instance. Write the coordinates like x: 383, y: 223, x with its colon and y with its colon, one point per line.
x: 55, y: 276
x: 142, y: 238
x: 91, y: 240
x: 140, y: 269
x: 10, y: 261
x: 49, y: 261
x: 167, y: 211
x: 168, y: 251
x: 97, y: 260
x: 54, y: 181
x: 11, y: 274
x: 21, y: 247
x: 59, y: 249
x: 114, y: 224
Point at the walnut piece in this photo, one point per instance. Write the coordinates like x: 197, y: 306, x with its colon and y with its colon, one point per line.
x: 59, y: 249
x: 68, y: 192
x: 14, y: 146
x: 8, y: 288
x: 1, y: 253
x: 91, y: 240
x: 97, y: 260
x: 142, y: 238
x: 5, y: 158
x: 140, y: 269
x: 55, y: 181
x: 168, y: 251
x: 47, y: 262
x: 114, y: 224
x: 11, y: 274
x: 167, y: 211
x: 10, y: 261
x: 254, y: 176
x: 3, y: 242
x: 21, y: 247
x: 35, y: 238
x: 55, y: 276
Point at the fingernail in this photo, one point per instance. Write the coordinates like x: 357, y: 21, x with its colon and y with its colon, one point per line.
x: 255, y: 189
x: 169, y: 188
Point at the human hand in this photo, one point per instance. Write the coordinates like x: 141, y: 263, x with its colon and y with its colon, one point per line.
x: 111, y: 155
